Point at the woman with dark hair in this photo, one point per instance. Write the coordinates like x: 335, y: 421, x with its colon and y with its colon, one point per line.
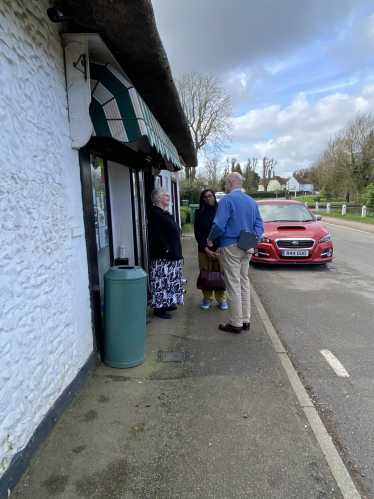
x: 165, y: 272
x: 204, y: 217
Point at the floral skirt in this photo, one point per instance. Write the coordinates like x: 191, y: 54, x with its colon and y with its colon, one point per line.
x: 165, y: 283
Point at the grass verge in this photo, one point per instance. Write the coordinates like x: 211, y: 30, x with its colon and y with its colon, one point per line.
x: 187, y: 228
x: 311, y: 200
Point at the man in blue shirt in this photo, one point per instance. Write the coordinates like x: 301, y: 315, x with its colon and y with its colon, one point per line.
x: 236, y: 212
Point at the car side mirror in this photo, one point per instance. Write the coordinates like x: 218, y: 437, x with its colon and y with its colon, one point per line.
x: 318, y: 217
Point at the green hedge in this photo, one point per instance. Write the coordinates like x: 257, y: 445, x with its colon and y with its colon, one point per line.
x: 185, y: 211
x: 267, y: 194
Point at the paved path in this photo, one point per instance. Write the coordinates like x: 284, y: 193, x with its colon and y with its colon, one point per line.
x: 224, y: 424
x: 350, y: 224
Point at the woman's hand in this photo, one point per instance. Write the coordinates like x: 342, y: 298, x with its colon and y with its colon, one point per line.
x: 211, y: 254
x: 218, y: 251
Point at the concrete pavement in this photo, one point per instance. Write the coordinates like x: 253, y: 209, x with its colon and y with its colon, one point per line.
x: 225, y: 423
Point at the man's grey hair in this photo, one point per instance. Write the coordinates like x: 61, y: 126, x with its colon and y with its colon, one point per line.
x: 235, y: 178
x: 157, y: 193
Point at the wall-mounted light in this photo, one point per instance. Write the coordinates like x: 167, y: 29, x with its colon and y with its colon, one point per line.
x: 56, y: 16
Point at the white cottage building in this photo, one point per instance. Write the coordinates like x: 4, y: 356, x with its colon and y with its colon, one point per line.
x: 76, y: 174
x: 296, y: 183
x: 273, y: 184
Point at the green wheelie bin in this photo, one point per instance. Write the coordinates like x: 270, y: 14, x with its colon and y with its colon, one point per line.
x: 193, y: 208
x: 125, y: 298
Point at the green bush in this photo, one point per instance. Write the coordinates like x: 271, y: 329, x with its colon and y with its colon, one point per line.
x: 189, y: 192
x: 317, y: 199
x: 186, y: 210
x: 183, y: 217
x: 367, y: 198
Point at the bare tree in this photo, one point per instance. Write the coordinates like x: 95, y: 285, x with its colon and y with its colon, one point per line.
x: 249, y: 174
x: 226, y: 171
x: 267, y: 169
x: 214, y: 169
x: 209, y: 111
x: 233, y: 162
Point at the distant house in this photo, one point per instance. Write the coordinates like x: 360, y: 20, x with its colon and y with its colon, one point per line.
x: 274, y: 183
x: 296, y: 183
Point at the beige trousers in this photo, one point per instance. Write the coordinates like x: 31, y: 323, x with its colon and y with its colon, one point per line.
x: 214, y: 265
x: 236, y: 263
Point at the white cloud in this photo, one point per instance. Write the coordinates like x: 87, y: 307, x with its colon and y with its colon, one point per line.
x: 300, y: 131
x: 298, y: 70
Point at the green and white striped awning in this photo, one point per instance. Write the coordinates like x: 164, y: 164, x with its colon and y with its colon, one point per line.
x: 117, y: 111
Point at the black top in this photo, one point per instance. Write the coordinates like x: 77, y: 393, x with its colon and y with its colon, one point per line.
x: 164, y: 234
x: 202, y: 227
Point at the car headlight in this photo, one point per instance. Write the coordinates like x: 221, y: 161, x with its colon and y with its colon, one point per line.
x: 264, y: 240
x: 325, y: 239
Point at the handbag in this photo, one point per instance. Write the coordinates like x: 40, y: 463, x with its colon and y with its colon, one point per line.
x: 211, y: 279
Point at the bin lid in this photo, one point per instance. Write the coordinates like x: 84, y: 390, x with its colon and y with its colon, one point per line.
x: 194, y: 205
x: 125, y: 273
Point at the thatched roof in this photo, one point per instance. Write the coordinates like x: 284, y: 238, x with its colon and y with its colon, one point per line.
x: 129, y: 30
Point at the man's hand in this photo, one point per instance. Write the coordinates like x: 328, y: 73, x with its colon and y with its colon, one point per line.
x: 209, y: 243
x: 251, y: 251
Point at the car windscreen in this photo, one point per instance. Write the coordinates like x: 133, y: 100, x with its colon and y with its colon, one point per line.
x: 284, y: 212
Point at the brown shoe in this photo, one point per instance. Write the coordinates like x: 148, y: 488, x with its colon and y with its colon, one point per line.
x: 229, y: 328
x: 246, y: 326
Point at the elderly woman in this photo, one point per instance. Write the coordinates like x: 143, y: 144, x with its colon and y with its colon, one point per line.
x: 204, y: 217
x: 165, y: 273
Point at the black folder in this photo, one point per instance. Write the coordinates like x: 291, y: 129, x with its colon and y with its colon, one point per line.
x: 247, y: 240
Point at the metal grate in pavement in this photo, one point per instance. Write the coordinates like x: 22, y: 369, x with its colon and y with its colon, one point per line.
x: 170, y: 356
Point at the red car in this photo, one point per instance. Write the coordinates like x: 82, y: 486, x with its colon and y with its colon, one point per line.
x: 292, y: 234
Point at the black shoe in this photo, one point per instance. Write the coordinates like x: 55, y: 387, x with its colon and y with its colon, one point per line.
x: 160, y: 312
x: 246, y: 326
x: 171, y: 309
x: 229, y: 328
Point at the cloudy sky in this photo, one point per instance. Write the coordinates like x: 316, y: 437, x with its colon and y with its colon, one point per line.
x: 298, y: 70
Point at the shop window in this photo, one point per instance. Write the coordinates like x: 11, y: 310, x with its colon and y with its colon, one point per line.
x: 99, y: 195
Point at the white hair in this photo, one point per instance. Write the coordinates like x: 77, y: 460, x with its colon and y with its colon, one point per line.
x: 157, y: 193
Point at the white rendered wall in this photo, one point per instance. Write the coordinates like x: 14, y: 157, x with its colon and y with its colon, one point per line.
x: 45, y: 317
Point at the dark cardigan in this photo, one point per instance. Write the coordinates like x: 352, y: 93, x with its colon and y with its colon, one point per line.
x: 202, y: 227
x: 164, y: 234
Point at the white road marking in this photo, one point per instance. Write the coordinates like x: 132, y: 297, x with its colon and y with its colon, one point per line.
x: 335, y: 364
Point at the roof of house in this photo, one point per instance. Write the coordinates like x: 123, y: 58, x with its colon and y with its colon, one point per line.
x: 281, y: 180
x: 302, y: 180
x: 129, y: 30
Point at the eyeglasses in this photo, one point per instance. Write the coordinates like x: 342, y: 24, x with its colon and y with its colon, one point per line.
x: 208, y: 196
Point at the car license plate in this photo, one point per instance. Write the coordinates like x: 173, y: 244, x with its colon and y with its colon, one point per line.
x: 295, y: 253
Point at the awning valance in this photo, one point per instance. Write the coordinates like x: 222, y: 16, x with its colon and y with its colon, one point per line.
x: 117, y: 111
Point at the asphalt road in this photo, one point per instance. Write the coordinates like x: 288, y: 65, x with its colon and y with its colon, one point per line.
x: 330, y: 308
